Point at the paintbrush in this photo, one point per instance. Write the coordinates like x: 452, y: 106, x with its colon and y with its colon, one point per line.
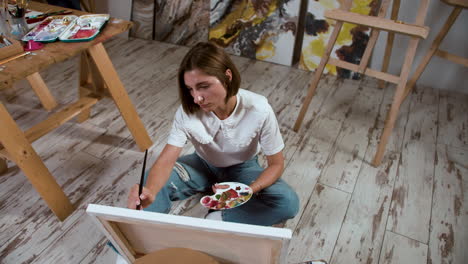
x: 21, y: 6
x: 34, y: 19
x: 14, y: 57
x: 140, y: 188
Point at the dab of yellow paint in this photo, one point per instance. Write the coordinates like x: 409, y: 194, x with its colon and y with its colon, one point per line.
x: 317, y: 46
x: 361, y: 7
x: 328, y: 4
x: 361, y: 3
x: 345, y: 36
x: 330, y: 69
x: 315, y: 49
x: 265, y: 50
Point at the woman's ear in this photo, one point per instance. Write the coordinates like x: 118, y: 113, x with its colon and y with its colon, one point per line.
x: 229, y: 74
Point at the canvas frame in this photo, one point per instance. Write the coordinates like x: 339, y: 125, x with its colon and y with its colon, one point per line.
x: 133, y: 234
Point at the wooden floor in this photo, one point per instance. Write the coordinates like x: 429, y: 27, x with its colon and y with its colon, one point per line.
x: 412, y: 209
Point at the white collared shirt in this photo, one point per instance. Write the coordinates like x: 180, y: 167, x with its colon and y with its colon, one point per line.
x: 251, y: 127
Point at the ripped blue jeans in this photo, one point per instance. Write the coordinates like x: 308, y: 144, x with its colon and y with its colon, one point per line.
x: 192, y: 175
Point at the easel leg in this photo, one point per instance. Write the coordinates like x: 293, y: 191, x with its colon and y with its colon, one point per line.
x: 390, y: 39
x: 434, y: 47
x: 318, y: 74
x: 373, y: 39
x: 41, y: 90
x: 3, y: 166
x: 397, y: 101
x: 85, y: 79
x: 26, y: 158
x: 120, y: 96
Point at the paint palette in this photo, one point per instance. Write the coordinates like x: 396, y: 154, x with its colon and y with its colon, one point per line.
x: 49, y: 29
x: 84, y: 28
x: 228, y: 195
x: 68, y: 28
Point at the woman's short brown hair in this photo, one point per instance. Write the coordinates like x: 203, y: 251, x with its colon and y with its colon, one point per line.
x: 211, y: 60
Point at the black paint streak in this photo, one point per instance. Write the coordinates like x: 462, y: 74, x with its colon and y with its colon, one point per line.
x: 314, y: 26
x: 354, y: 52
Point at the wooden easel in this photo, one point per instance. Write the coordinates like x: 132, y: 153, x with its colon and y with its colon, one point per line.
x: 458, y: 6
x: 415, y: 31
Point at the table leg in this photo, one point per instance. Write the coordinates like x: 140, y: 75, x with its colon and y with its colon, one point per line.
x: 40, y: 88
x: 84, y: 82
x: 22, y: 153
x: 120, y: 96
x: 3, y: 166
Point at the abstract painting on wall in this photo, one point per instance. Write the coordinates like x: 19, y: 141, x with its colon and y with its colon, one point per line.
x: 181, y: 22
x: 351, y: 41
x: 257, y: 29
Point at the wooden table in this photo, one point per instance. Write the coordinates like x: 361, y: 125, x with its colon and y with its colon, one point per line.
x: 98, y: 79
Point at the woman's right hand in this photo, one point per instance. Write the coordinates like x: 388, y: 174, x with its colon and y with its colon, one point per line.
x: 147, y: 197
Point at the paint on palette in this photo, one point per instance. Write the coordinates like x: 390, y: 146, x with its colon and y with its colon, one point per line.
x: 351, y: 41
x: 261, y: 29
x: 228, y: 195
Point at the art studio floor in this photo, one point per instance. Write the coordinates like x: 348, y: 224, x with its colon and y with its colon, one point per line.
x: 412, y: 209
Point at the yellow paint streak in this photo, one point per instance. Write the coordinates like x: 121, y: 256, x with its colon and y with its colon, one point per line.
x: 328, y: 4
x: 345, y: 37
x: 330, y: 69
x: 315, y: 49
x: 360, y: 7
x: 244, y: 12
x: 265, y: 50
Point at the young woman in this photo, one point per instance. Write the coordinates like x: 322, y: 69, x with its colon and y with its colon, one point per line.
x: 228, y: 127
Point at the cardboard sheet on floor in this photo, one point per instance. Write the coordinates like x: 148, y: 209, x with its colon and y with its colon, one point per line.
x: 139, y: 233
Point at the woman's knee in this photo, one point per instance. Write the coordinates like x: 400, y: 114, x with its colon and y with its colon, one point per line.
x: 292, y: 204
x: 284, y: 198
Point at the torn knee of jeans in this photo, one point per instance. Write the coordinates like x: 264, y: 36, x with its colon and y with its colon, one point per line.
x: 182, y: 172
x: 173, y: 186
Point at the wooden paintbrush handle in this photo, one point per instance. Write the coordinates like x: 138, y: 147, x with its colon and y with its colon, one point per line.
x: 14, y: 57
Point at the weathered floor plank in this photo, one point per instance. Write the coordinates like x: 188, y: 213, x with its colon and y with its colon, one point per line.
x: 361, y: 235
x: 453, y: 119
x: 449, y: 228
x: 345, y: 161
x: 399, y: 249
x: 412, y: 194
x: 316, y: 233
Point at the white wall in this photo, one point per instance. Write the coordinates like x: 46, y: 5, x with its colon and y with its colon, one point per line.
x: 116, y: 8
x: 439, y: 73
